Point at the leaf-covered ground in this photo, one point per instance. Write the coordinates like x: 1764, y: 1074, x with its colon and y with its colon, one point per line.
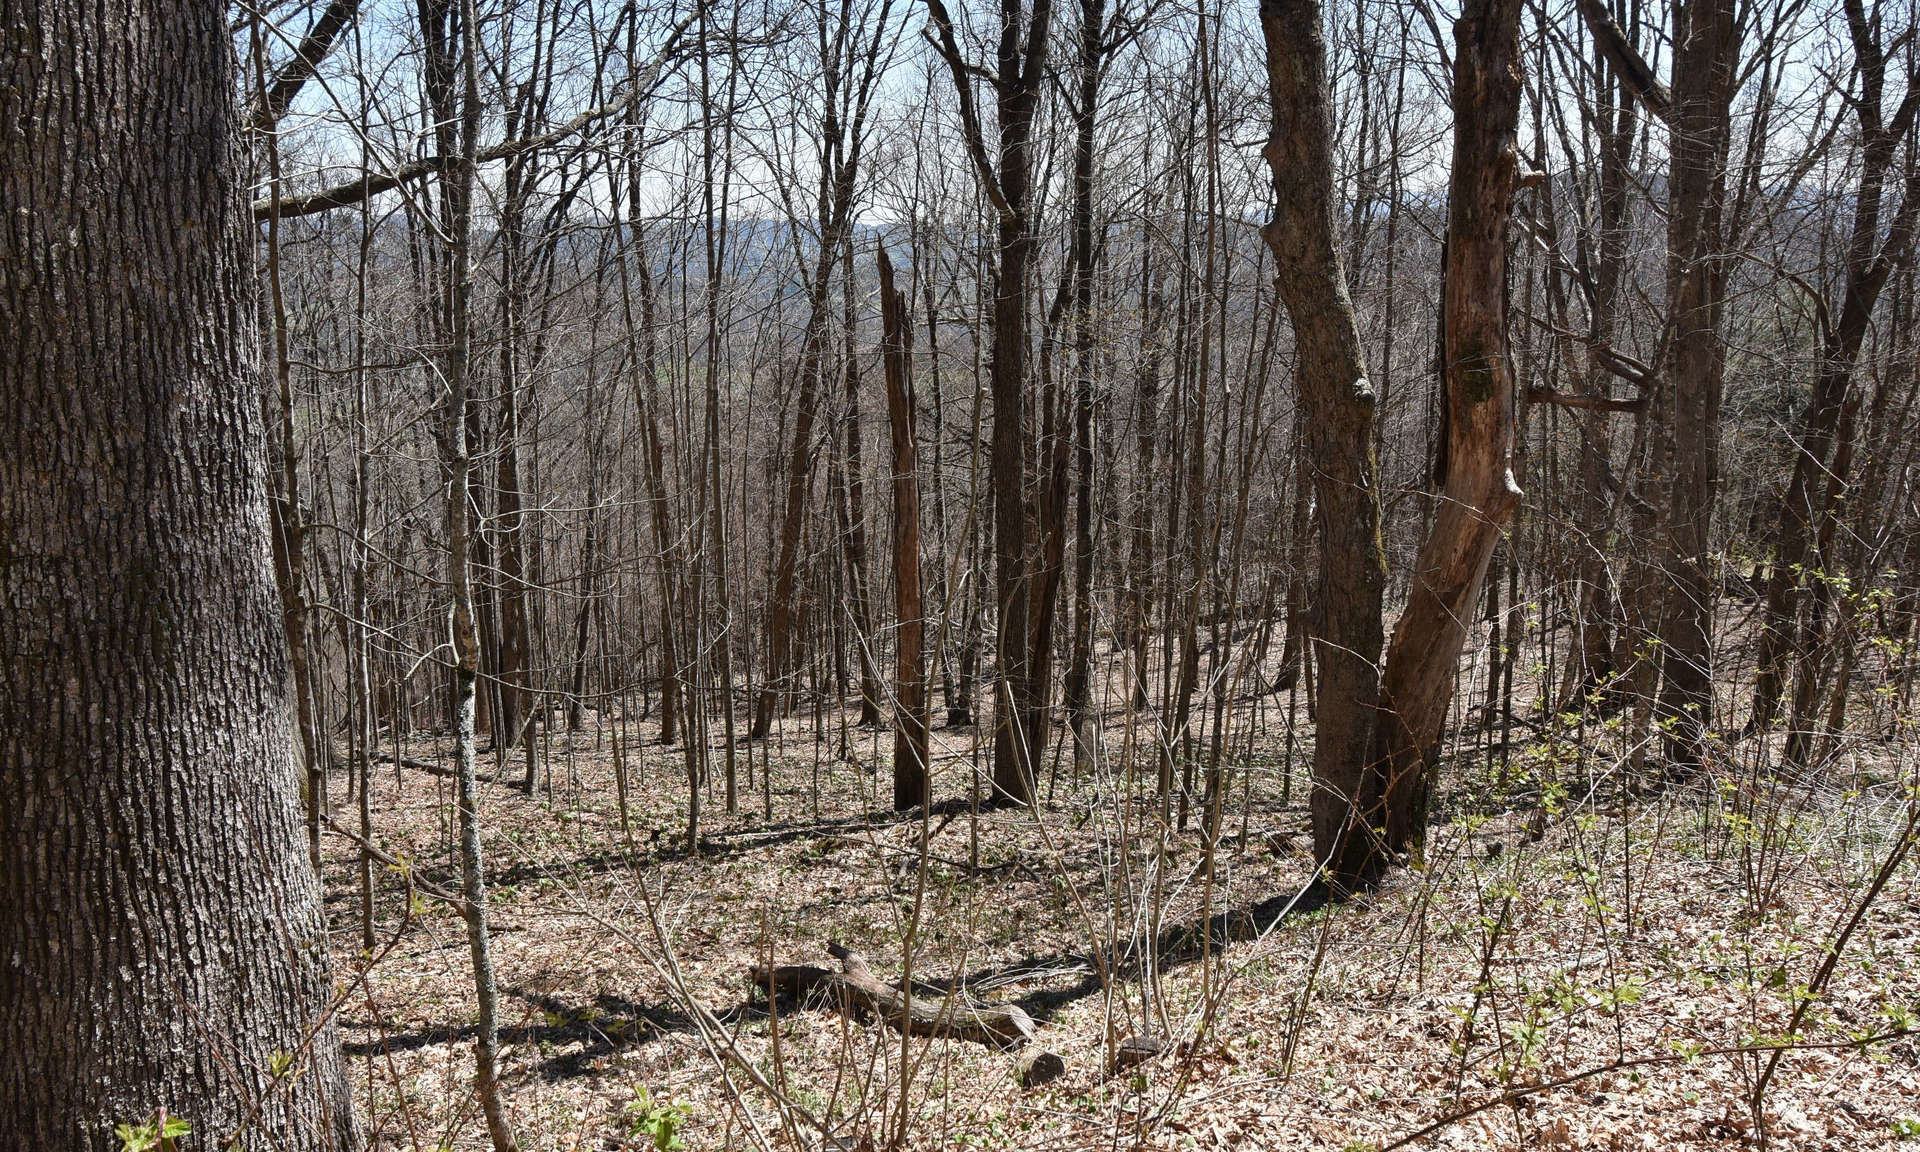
x: 1570, y: 969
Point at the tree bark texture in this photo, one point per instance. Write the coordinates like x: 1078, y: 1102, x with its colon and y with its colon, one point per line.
x: 1479, y: 494
x: 160, y: 926
x: 1706, y: 40
x: 910, y: 778
x: 1025, y: 636
x: 1339, y: 404
x: 1019, y: 735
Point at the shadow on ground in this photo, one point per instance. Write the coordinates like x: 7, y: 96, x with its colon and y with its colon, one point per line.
x: 600, y: 1027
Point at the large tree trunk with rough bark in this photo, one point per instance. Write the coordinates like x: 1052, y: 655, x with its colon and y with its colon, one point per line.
x: 1339, y: 405
x: 1479, y: 495
x: 161, y: 927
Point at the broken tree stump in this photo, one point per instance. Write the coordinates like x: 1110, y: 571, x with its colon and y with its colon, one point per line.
x: 1039, y: 1066
x: 855, y: 987
x: 1135, y: 1051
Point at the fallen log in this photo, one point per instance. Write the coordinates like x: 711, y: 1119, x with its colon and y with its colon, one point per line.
x: 432, y: 769
x: 856, y: 988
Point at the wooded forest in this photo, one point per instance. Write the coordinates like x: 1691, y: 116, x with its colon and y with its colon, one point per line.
x: 891, y: 574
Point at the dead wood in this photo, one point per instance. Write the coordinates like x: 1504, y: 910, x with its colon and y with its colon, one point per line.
x: 1040, y: 1066
x: 432, y: 769
x: 1135, y: 1051
x: 858, y: 989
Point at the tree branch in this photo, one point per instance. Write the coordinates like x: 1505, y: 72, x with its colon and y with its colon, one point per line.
x: 395, y: 863
x: 1633, y: 371
x: 943, y: 42
x: 1544, y: 395
x: 294, y: 74
x: 372, y: 184
x: 1626, y: 60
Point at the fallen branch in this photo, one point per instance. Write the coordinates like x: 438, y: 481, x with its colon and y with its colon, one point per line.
x: 405, y: 869
x: 857, y: 988
x: 432, y: 769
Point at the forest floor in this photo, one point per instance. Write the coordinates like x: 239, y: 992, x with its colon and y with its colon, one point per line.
x: 1572, y: 970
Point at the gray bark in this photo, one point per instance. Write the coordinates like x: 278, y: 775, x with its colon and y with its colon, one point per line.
x: 160, y: 926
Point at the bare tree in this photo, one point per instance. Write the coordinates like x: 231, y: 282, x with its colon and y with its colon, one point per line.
x: 453, y: 88
x: 1338, y: 403
x: 1872, y: 251
x: 910, y: 770
x: 851, y: 52
x: 1706, y: 37
x: 1478, y: 493
x: 1025, y: 613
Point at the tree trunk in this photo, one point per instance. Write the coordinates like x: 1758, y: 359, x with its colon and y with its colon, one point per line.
x: 643, y: 371
x: 1020, y: 704
x: 1706, y: 36
x: 589, y: 584
x: 1869, y: 262
x: 847, y: 83
x: 1596, y: 516
x: 289, y: 533
x: 911, y: 786
x: 1479, y: 494
x: 781, y: 622
x: 644, y: 366
x: 854, y: 507
x: 1079, y: 679
x: 1146, y: 439
x: 451, y: 41
x: 162, y: 927
x: 1339, y: 405
x: 512, y: 718
x: 1015, y: 750
x: 1814, y: 657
